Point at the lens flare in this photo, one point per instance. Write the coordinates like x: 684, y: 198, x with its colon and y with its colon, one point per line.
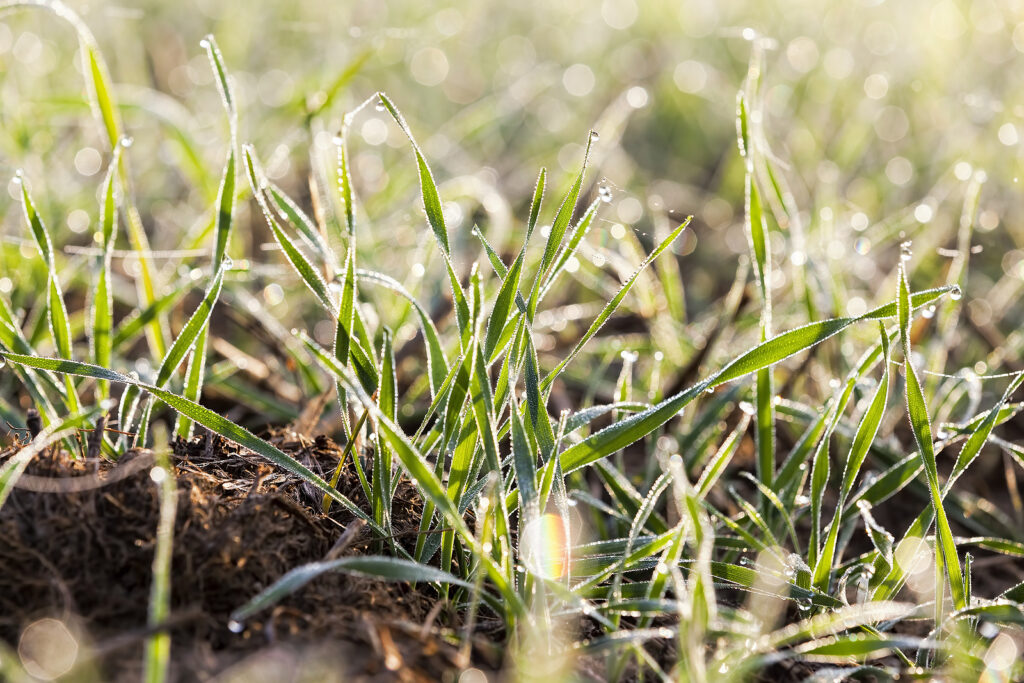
x: 544, y: 548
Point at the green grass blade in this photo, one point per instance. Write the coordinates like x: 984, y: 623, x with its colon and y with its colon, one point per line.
x: 428, y: 188
x: 921, y: 425
x: 102, y: 299
x: 716, y: 467
x: 558, y: 226
x: 57, y: 312
x: 524, y: 463
x: 610, y: 307
x: 306, y: 271
x: 866, y: 431
x: 372, y: 567
x: 503, y: 305
x: 571, y: 247
x: 778, y: 348
x: 196, y: 323
x: 196, y: 372
x: 223, y: 83
x: 158, y: 646
x: 436, y: 360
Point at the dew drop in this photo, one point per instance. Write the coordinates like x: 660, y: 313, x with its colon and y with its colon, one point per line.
x: 929, y: 312
x: 19, y: 176
x: 235, y: 626
x: 337, y: 139
x: 380, y: 105
x: 905, y: 251
x: 227, y: 263
x: 204, y: 43
x: 988, y: 630
x: 594, y: 136
x: 709, y: 390
x: 126, y: 141
x: 295, y: 331
x: 605, y: 193
x: 3, y: 361
x: 956, y: 293
x: 747, y: 407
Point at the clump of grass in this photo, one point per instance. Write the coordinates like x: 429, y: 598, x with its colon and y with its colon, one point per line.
x: 732, y: 568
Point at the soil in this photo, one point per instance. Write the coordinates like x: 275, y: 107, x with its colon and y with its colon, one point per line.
x: 77, y: 542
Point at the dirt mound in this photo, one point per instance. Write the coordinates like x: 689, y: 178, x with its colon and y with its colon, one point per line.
x: 77, y: 543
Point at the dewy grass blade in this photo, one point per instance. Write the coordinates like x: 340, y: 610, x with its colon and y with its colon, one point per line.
x: 912, y: 465
x: 525, y: 463
x: 309, y: 274
x: 196, y: 323
x: 223, y: 83
x: 158, y: 645
x: 716, y: 468
x: 571, y: 247
x: 435, y: 217
x: 185, y: 341
x: 757, y: 230
x: 431, y: 199
x: 918, y: 413
x: 57, y: 312
x: 609, y: 309
x: 372, y: 567
x: 558, y: 226
x: 503, y: 305
x: 866, y: 431
x: 102, y: 299
x: 776, y: 349
x: 199, y: 414
x: 303, y: 224
x: 196, y: 372
x: 436, y: 359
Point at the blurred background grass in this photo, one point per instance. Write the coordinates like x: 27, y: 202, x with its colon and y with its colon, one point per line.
x: 881, y: 114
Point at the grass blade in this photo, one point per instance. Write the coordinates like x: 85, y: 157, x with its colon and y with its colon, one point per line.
x: 609, y: 309
x: 373, y: 567
x: 776, y: 349
x: 918, y: 413
x: 158, y: 646
x: 57, y: 312
x: 102, y: 299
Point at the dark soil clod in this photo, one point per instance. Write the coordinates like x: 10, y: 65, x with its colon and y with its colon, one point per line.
x: 78, y: 546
